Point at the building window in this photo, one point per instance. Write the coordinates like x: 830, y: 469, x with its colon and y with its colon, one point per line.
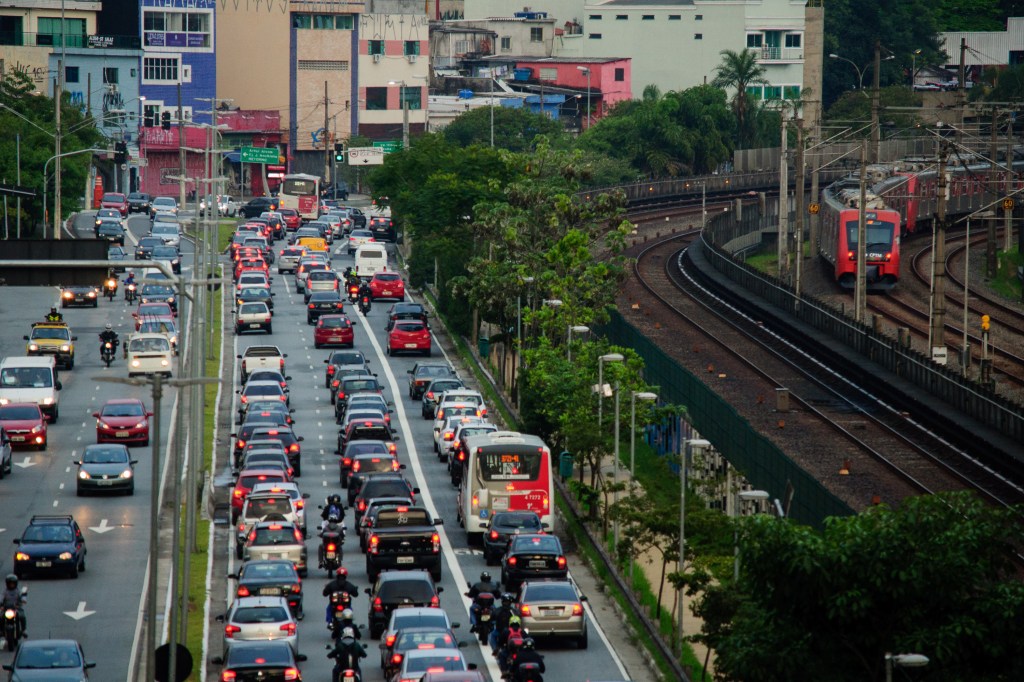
x: 793, y: 39
x: 376, y: 99
x: 151, y: 114
x: 177, y: 29
x: 160, y: 69
x: 647, y: 17
x: 110, y: 75
x: 621, y: 17
x: 698, y: 36
x: 70, y: 74
x: 674, y: 17
x: 548, y: 74
x: 791, y: 92
x: 50, y: 32
x: 375, y: 46
x: 411, y: 97
x: 506, y: 43
x: 344, y: 22
x: 620, y: 74
x: 322, y: 65
x: 594, y: 36
x: 754, y: 91
x: 773, y: 92
x: 323, y: 21
x: 536, y: 34
x: 411, y: 47
x: 302, y: 21
x: 595, y: 17
x: 755, y: 40
x: 699, y: 17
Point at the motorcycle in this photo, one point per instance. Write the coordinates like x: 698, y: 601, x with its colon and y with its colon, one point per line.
x: 339, y: 602
x: 528, y: 672
x: 12, y: 628
x: 107, y: 352
x: 129, y: 292
x: 485, y: 608
x: 364, y: 305
x: 345, y: 669
x: 353, y: 293
x: 331, y: 538
x: 110, y: 288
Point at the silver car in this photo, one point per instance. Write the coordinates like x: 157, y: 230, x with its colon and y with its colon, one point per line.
x: 553, y: 608
x: 256, y: 508
x: 276, y: 540
x: 169, y: 232
x: 259, y: 619
x: 288, y: 259
x: 321, y: 280
x: 302, y: 272
x: 253, y: 316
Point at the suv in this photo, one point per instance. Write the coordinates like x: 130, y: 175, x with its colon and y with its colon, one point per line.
x: 50, y: 544
x: 138, y: 202
x: 394, y: 589
x: 381, y: 485
x: 52, y: 338
x: 276, y: 540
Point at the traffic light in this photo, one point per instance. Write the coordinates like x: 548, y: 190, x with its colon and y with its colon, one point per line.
x: 148, y: 118
x: 339, y: 152
x: 165, y: 120
x: 120, y: 153
x: 985, y: 322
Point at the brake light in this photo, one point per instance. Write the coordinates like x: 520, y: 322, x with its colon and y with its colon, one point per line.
x: 243, y: 591
x: 395, y: 466
x: 524, y: 610
x: 288, y: 628
x: 435, y: 539
x: 435, y: 602
x: 311, y: 306
x: 294, y: 447
x: 545, y: 502
x: 239, y: 493
x: 397, y: 658
x: 298, y: 536
x: 377, y: 606
x: 331, y: 547
x: 512, y: 560
x: 300, y: 504
x: 430, y: 395
x: 291, y: 674
x: 476, y: 501
x: 356, y: 466
x: 296, y: 588
x: 494, y: 535
x: 346, y: 461
x: 561, y: 562
x: 230, y: 630
x: 330, y: 370
x: 228, y: 676
x: 577, y: 609
x: 374, y: 544
x: 362, y: 505
x: 389, y: 641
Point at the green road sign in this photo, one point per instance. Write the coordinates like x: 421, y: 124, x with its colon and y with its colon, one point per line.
x: 389, y: 146
x: 260, y: 155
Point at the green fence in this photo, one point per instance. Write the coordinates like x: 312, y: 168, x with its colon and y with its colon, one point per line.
x: 761, y: 461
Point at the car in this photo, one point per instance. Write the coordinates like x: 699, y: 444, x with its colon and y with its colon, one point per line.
x: 297, y: 498
x: 342, y: 359
x: 105, y: 467
x: 339, y: 190
x: 158, y: 293
x: 50, y: 544
x: 170, y: 232
x: 267, y: 455
x: 150, y: 312
x: 263, y: 390
x: 262, y: 247
x: 287, y: 437
x: 144, y: 249
x: 6, y: 461
x: 255, y: 295
x: 504, y: 525
x: 463, y: 395
x: 149, y: 354
x: 321, y: 280
x: 532, y: 556
x: 247, y: 478
x: 365, y: 426
x: 358, y: 448
x: 382, y: 485
x: 382, y: 228
x: 453, y: 676
x: 167, y: 205
x: 434, y: 390
x: 114, y: 254
x: 257, y: 205
x: 168, y: 254
x: 423, y: 373
x: 369, y: 401
x: 289, y: 258
x: 258, y: 506
x: 117, y: 201
x: 399, y: 589
x: 357, y: 238
x: 457, y: 454
x: 400, y: 637
x: 277, y: 540
x: 387, y: 285
x: 260, y: 660
x: 334, y: 330
x: 253, y: 317
x: 445, y: 442
x: 227, y: 206
x: 253, y: 278
x: 260, y: 619
x: 323, y: 303
x: 169, y: 328
x: 405, y: 311
x: 552, y: 608
x: 276, y: 222
x: 52, y: 338
x: 253, y: 421
x: 409, y: 336
x: 250, y: 264
x: 123, y: 420
x: 363, y: 466
x: 417, y: 662
x: 302, y: 272
x: 350, y: 384
x: 112, y: 231
x: 139, y: 202
x: 24, y: 424
x: 111, y: 214
x: 448, y: 416
x: 79, y: 295
x: 291, y: 217
x: 49, y: 660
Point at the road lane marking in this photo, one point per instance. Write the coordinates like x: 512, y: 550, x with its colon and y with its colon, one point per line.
x: 102, y: 528
x: 79, y: 613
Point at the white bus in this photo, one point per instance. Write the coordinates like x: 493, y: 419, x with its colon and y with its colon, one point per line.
x: 301, y: 192
x: 504, y: 471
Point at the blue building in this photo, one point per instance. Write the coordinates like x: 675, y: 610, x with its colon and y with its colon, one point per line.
x: 105, y: 82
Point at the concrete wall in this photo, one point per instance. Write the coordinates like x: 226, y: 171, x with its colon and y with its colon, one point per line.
x: 31, y: 58
x: 395, y: 30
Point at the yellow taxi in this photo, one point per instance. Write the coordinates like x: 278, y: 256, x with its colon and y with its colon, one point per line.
x: 52, y: 338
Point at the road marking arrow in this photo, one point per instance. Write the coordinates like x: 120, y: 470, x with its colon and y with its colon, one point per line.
x: 79, y: 613
x: 102, y: 528
x: 26, y: 463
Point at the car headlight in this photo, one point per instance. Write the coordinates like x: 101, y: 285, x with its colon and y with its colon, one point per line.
x: 37, y: 428
x: 164, y: 363
x: 65, y: 347
x: 135, y: 363
x: 33, y: 346
x: 21, y: 556
x: 68, y: 294
x: 4, y: 401
x: 100, y: 424
x: 140, y: 425
x: 171, y: 298
x: 92, y: 294
x: 84, y: 475
x: 127, y: 473
x: 46, y: 401
x: 65, y: 556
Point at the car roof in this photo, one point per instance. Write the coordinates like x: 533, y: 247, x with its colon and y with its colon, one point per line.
x: 249, y: 602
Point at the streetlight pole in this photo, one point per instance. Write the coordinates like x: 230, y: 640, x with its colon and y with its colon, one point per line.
x: 579, y: 329
x: 642, y: 395
x: 615, y: 467
x: 585, y: 70
x: 491, y: 72
x: 688, y: 445
x: 913, y: 68
x: 519, y: 336
x: 903, y: 661
x: 744, y: 495
x: 610, y: 357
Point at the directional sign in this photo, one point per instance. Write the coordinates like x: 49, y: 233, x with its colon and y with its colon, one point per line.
x: 79, y: 613
x: 365, y: 156
x: 389, y: 145
x: 260, y: 155
x: 102, y: 528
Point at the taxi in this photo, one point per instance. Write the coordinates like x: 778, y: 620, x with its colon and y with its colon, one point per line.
x: 52, y: 338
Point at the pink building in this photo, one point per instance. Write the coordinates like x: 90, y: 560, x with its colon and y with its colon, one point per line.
x: 607, y: 80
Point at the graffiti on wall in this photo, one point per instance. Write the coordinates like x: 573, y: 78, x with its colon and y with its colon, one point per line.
x: 394, y: 26
x: 281, y: 6
x: 36, y: 74
x: 113, y: 108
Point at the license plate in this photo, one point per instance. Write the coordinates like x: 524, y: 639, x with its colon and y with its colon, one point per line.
x: 405, y: 606
x: 330, y: 555
x: 44, y: 564
x: 406, y: 559
x: 410, y: 345
x: 485, y: 617
x: 538, y: 564
x: 270, y: 591
x: 335, y: 338
x: 121, y: 434
x: 105, y: 482
x: 253, y: 325
x: 386, y: 292
x: 18, y: 439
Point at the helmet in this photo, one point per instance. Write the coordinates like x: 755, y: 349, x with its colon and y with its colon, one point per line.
x: 342, y: 572
x: 12, y: 581
x: 334, y: 499
x: 528, y: 643
x: 333, y: 517
x: 485, y: 577
x: 508, y: 597
x: 109, y: 326
x: 348, y: 632
x: 515, y: 620
x: 347, y: 614
x: 53, y: 310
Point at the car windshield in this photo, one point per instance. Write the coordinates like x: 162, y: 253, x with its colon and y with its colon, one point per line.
x: 355, y: 385
x: 165, y: 252
x: 260, y: 614
x: 415, y: 590
x: 418, y: 664
x: 271, y: 654
x: 252, y: 309
x: 275, y: 535
x: 61, y: 333
x: 111, y: 226
x: 264, y: 389
x: 361, y: 447
x: 536, y: 543
x: 113, y: 197
x: 151, y: 344
x: 322, y: 275
x: 164, y: 201
x: 104, y: 455
x: 390, y: 488
x: 155, y: 310
x: 269, y: 505
x: 18, y: 412
x: 151, y: 242
x: 411, y: 327
x: 361, y: 234
x: 347, y: 358
x: 26, y: 377
x: 386, y: 277
x: 413, y: 640
x: 47, y: 533
x: 335, y: 323
x: 165, y: 229
x: 47, y: 657
x: 123, y: 410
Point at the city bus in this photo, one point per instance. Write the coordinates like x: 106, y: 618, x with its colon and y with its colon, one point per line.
x: 301, y: 192
x: 504, y: 471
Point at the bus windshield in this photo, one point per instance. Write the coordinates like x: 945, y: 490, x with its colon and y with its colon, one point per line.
x: 298, y: 187
x: 510, y: 466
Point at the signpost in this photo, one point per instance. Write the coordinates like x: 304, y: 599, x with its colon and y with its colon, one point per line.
x: 388, y: 146
x: 365, y: 156
x: 259, y: 155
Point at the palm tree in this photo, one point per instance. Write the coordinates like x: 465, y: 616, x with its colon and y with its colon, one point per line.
x: 739, y: 70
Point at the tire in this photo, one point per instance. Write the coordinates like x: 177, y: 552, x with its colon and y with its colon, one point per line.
x: 581, y: 641
x: 131, y: 491
x: 270, y: 329
x: 41, y: 447
x: 238, y: 551
x: 145, y: 443
x: 73, y: 573
x: 318, y: 346
x: 436, y: 575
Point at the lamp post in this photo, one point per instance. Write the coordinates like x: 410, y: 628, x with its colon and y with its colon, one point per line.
x: 609, y: 357
x: 913, y: 68
x: 743, y: 495
x: 860, y: 72
x: 405, y: 112
x: 615, y: 467
x: 586, y: 70
x: 642, y: 395
x: 689, y: 444
x: 903, y: 661
x: 552, y: 303
x: 579, y: 329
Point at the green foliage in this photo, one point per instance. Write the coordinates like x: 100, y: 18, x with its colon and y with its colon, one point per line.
x: 973, y: 15
x: 737, y: 71
x: 934, y: 577
x: 514, y: 129
x: 1000, y: 85
x: 854, y: 107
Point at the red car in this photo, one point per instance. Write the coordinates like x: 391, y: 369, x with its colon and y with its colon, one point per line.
x: 409, y: 335
x: 115, y: 201
x: 387, y: 285
x: 247, y: 478
x: 334, y: 330
x: 246, y: 264
x: 123, y: 420
x: 153, y: 312
x: 24, y: 424
x: 292, y: 219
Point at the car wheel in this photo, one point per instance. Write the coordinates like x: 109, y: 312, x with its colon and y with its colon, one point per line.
x: 436, y: 575
x: 318, y: 345
x: 238, y: 551
x: 145, y: 443
x: 73, y: 573
x: 581, y: 642
x: 131, y: 491
x: 270, y: 329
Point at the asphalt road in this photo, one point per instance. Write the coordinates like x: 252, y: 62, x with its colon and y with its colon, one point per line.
x: 101, y: 608
x: 314, y: 421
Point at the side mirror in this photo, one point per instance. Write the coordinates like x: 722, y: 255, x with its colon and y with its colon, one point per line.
x: 16, y: 541
x: 74, y: 338
x: 471, y: 666
x: 302, y: 658
x: 233, y: 575
x: 58, y: 386
x: 326, y: 362
x: 438, y: 522
x: 96, y: 414
x: 401, y: 466
x: 408, y: 371
x: 301, y: 438
x: 26, y: 338
x: 285, y: 355
x: 367, y: 590
x: 545, y: 526
x: 305, y: 496
x: 216, y: 660
x: 440, y: 590
x: 395, y: 438
x: 234, y: 435
x: 77, y: 462
x: 583, y: 597
x: 239, y: 357
x: 133, y: 462
x: 148, y: 414
x: 220, y: 618
x: 287, y: 378
x: 415, y: 491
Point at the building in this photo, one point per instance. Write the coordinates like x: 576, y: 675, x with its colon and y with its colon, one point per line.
x: 104, y: 81
x: 986, y: 48
x: 30, y: 30
x: 591, y: 85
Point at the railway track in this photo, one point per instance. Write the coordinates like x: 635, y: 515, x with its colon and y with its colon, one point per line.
x: 894, y: 455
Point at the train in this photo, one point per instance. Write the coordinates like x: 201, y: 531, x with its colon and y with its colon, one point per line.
x: 837, y: 243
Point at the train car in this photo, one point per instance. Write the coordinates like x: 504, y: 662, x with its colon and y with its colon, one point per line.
x: 837, y: 245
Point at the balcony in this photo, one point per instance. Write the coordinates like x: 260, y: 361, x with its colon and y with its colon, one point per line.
x: 780, y: 54
x: 22, y: 38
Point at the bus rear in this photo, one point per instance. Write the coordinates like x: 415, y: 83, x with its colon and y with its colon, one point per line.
x: 301, y: 193
x: 505, y: 471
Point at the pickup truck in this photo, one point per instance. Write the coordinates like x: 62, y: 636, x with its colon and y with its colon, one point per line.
x: 402, y: 538
x: 260, y: 357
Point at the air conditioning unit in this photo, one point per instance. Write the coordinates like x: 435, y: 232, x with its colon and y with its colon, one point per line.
x: 412, y: 58
x: 376, y: 58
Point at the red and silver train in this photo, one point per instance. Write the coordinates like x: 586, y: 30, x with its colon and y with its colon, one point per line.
x: 840, y: 216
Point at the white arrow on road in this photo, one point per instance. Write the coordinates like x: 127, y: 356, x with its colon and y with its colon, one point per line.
x: 102, y: 528
x: 79, y: 613
x: 26, y: 463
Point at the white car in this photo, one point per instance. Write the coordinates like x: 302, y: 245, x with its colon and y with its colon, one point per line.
x: 149, y: 354
x: 357, y: 238
x: 253, y: 316
x: 297, y: 497
x: 164, y: 205
x: 450, y: 414
x: 169, y: 232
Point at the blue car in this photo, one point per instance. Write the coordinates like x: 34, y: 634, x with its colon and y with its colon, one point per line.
x: 50, y: 544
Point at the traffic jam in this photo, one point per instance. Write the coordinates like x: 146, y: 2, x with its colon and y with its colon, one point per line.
x: 359, y: 457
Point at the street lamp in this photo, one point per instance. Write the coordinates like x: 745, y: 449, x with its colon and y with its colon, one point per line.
x: 586, y: 70
x: 913, y: 68
x: 860, y: 72
x: 689, y: 445
x: 405, y: 109
x: 642, y: 395
x: 579, y: 329
x: 600, y: 388
x: 903, y: 661
x: 744, y: 495
x: 615, y: 467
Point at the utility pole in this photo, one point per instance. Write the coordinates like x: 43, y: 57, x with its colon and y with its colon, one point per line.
x: 938, y: 307
x: 799, y: 204
x: 961, y: 91
x: 990, y: 242
x: 860, y: 295
x: 58, y: 93
x: 327, y: 145
x: 1008, y: 212
x: 783, y: 251
x: 181, y: 152
x: 875, y: 103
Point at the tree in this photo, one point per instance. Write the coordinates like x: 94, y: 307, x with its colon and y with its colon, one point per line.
x: 853, y: 107
x: 934, y: 577
x: 738, y: 71
x: 514, y: 129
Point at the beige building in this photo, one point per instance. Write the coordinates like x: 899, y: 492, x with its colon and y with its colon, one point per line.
x: 393, y: 71
x: 32, y: 29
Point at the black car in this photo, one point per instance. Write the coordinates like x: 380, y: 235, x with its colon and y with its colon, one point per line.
x: 357, y: 449
x: 287, y: 438
x: 169, y: 255
x: 264, y: 660
x: 255, y: 295
x: 254, y: 207
x: 103, y: 215
x: 112, y: 231
x: 530, y: 557
x: 139, y: 202
x: 158, y: 293
x: 50, y: 544
x: 338, y: 190
x: 341, y: 358
x: 78, y: 294
x: 255, y: 421
x: 423, y: 373
x: 105, y: 467
x: 383, y: 229
x: 505, y: 525
x: 399, y: 589
x: 323, y: 303
x: 358, y: 218
x: 117, y: 253
x: 405, y: 311
x: 434, y: 390
x: 144, y: 249
x: 369, y: 464
x: 382, y: 485
x: 270, y: 578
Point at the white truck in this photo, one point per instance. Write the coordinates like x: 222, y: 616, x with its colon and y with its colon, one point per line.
x: 260, y: 357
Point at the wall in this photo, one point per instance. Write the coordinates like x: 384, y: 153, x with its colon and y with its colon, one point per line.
x: 99, y: 97
x: 33, y: 59
x: 519, y: 33
x: 394, y: 66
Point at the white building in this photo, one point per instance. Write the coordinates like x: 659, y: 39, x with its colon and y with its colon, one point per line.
x: 987, y: 48
x: 674, y: 44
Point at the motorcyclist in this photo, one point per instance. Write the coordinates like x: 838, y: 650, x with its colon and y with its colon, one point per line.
x: 340, y: 583
x: 129, y: 281
x: 510, y: 640
x: 54, y: 316
x: 346, y: 653
x: 485, y: 584
x: 14, y: 599
x: 108, y: 335
x: 348, y: 621
x: 332, y: 524
x: 365, y: 296
x: 501, y: 618
x: 527, y: 654
x: 334, y: 508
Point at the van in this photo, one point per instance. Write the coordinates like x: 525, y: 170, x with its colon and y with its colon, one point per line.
x: 371, y: 259
x: 31, y: 380
x: 149, y: 354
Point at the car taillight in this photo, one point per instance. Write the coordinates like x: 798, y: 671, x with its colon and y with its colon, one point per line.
x: 243, y: 591
x: 282, y: 363
x: 374, y: 544
x: 228, y: 676
x: 238, y: 493
x: 346, y: 461
x: 435, y: 540
x: 291, y: 674
x: 524, y: 610
x: 311, y: 306
x: 494, y: 535
x: 395, y: 466
x: 288, y: 628
x: 330, y: 370
x: 296, y: 588
x: 298, y: 536
x: 300, y: 504
x: 449, y: 435
x: 429, y: 395
x: 577, y: 609
x: 230, y: 630
x: 294, y: 447
x: 561, y: 562
x: 267, y: 320
x: 377, y: 606
x: 362, y: 505
x: 356, y: 466
x: 390, y: 640
x: 435, y: 602
x: 512, y: 561
x: 545, y: 502
x: 397, y: 659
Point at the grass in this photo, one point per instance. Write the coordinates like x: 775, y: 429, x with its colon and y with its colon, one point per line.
x: 1005, y: 282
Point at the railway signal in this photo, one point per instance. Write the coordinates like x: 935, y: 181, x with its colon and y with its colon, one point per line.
x: 986, y: 362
